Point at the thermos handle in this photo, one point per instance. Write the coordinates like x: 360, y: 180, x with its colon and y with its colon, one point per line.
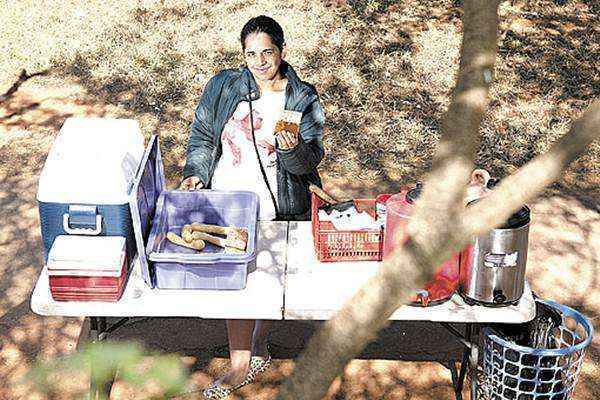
x: 82, y: 220
x: 493, y: 260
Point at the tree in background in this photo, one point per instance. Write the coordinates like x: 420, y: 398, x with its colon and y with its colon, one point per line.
x: 440, y: 223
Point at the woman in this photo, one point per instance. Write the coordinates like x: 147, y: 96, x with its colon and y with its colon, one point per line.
x: 232, y: 147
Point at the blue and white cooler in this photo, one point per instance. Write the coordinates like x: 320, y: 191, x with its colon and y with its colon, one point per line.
x: 85, y: 184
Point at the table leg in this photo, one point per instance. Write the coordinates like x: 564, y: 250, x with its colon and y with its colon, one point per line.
x: 458, y: 380
x: 474, y: 360
x: 102, y: 328
x: 93, y: 335
x: 462, y: 373
x: 93, y: 338
x: 97, y: 334
x: 456, y: 385
x: 470, y: 358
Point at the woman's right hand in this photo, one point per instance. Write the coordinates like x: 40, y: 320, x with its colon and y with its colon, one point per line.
x: 191, y: 183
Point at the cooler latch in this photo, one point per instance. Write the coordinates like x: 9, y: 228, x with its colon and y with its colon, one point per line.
x: 82, y: 220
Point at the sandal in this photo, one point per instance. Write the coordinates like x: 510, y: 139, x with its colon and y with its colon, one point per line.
x: 215, y: 391
x: 257, y: 365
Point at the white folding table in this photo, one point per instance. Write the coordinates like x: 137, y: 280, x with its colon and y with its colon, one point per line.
x: 316, y: 291
x: 261, y: 299
x: 285, y: 282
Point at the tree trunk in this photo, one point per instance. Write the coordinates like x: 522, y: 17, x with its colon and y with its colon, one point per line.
x: 357, y: 323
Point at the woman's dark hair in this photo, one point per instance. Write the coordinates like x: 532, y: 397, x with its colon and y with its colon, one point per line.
x: 263, y: 24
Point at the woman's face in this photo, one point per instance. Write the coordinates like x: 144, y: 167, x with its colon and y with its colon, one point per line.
x: 263, y: 57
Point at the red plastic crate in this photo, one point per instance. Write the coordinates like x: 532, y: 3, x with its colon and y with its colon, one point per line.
x: 334, y: 245
x: 89, y: 288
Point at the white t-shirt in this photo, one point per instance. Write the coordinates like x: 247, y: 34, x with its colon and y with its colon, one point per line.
x: 238, y: 168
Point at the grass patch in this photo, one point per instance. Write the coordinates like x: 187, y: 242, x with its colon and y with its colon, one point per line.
x: 384, y: 71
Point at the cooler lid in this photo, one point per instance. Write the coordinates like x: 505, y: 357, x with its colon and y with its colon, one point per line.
x: 92, y: 161
x: 147, y: 186
x: 519, y: 218
x: 87, y: 255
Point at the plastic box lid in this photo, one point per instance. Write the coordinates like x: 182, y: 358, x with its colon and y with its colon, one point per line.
x: 147, y: 186
x: 92, y: 161
x: 73, y: 255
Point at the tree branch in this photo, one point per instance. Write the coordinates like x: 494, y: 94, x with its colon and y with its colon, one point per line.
x: 438, y: 210
x: 357, y: 323
x: 437, y: 228
x: 23, y: 77
x: 523, y: 185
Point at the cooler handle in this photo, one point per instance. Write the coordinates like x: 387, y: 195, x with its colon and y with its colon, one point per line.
x: 87, y: 217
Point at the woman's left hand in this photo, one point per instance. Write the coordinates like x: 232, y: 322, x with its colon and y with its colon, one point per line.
x: 286, y: 140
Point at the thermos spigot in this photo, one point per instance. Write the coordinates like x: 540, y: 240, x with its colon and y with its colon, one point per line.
x: 499, y: 297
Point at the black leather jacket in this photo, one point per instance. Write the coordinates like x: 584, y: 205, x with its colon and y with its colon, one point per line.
x: 296, y: 168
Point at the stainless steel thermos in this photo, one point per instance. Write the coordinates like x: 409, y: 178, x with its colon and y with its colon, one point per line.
x: 492, y: 266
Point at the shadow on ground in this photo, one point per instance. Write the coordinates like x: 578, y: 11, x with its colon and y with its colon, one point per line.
x: 204, y: 344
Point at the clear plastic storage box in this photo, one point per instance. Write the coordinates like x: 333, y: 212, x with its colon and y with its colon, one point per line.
x: 157, y: 211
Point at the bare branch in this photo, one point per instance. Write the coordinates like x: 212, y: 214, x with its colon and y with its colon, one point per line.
x: 436, y: 228
x: 23, y: 77
x: 442, y: 195
x: 530, y: 179
x: 356, y: 324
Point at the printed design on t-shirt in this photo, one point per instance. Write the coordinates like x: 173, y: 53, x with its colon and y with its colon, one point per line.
x: 238, y: 127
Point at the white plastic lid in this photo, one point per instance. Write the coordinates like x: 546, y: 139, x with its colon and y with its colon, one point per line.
x: 87, y: 256
x: 92, y: 161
